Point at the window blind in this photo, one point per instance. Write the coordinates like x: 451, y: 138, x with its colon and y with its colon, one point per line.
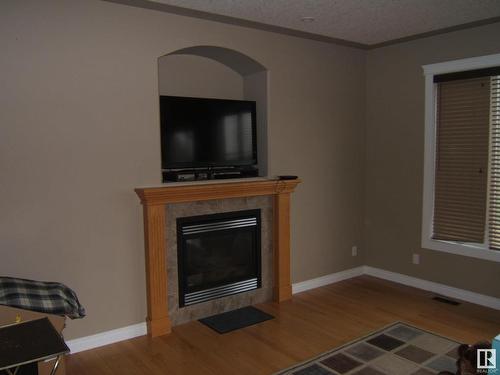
x: 461, y: 177
x: 494, y: 194
x: 486, y: 72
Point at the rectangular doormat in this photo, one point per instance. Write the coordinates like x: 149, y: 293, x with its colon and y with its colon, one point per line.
x: 236, y: 319
x: 398, y: 349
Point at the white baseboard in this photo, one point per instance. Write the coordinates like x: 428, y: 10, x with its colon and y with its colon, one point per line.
x: 129, y: 332
x: 442, y: 289
x: 327, y: 279
x: 107, y: 337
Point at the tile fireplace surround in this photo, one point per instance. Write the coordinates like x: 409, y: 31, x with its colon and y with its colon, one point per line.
x: 163, y: 204
x: 215, y: 306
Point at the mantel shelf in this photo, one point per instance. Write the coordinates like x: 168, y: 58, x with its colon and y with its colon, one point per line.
x: 198, y: 192
x: 154, y: 200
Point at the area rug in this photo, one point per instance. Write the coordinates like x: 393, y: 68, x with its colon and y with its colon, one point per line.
x: 398, y: 349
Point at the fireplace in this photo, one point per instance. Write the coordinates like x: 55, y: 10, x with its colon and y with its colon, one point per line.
x: 218, y: 255
x: 163, y: 205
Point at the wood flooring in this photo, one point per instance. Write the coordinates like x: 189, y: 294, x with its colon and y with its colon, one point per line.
x: 311, y: 323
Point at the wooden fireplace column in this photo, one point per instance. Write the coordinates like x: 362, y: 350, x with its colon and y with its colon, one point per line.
x: 154, y: 200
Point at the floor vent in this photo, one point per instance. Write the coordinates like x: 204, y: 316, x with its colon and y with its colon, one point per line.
x: 446, y: 300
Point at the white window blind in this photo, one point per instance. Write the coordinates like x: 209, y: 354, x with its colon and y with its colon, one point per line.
x: 461, y: 175
x: 494, y: 191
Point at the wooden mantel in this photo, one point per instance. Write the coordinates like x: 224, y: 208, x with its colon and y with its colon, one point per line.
x: 154, y: 200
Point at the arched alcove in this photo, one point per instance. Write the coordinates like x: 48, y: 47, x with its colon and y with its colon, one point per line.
x: 235, y: 60
x: 217, y: 72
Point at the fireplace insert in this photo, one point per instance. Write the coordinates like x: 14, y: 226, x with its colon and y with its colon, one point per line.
x: 218, y: 255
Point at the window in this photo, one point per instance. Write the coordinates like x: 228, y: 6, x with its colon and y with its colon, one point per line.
x: 461, y: 202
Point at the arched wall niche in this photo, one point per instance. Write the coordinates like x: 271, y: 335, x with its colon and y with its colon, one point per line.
x: 217, y: 72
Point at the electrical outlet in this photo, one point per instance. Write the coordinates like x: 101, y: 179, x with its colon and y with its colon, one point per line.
x: 354, y: 251
x: 416, y: 258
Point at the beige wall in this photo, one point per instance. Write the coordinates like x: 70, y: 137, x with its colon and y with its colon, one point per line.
x: 394, y: 159
x: 256, y: 87
x: 186, y: 75
x: 79, y: 130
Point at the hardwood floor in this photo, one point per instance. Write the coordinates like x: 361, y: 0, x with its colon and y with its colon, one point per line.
x: 311, y: 323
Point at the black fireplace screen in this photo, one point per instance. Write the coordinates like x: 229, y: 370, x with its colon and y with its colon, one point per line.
x: 218, y: 255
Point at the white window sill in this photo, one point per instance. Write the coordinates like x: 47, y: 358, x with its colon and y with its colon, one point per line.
x: 461, y: 249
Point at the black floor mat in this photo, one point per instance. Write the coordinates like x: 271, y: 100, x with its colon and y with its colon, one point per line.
x: 236, y: 319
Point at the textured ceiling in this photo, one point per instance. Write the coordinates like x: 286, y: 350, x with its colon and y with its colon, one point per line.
x: 367, y: 22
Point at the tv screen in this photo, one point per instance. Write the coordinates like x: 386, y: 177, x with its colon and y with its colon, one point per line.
x: 198, y: 132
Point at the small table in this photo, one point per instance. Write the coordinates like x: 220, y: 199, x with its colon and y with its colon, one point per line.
x: 29, y: 342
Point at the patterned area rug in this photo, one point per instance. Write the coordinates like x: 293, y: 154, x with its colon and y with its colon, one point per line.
x: 398, y: 349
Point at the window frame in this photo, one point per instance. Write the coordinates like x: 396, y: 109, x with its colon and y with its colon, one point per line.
x: 470, y: 250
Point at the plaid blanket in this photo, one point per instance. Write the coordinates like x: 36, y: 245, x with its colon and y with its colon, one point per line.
x: 45, y: 297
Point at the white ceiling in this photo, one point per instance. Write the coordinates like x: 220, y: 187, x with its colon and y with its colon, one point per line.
x: 367, y: 22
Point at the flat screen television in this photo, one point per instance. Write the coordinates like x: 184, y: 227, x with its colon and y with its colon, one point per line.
x: 203, y: 133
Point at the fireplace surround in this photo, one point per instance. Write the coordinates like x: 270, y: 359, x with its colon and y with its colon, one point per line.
x: 174, y: 211
x: 155, y: 200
